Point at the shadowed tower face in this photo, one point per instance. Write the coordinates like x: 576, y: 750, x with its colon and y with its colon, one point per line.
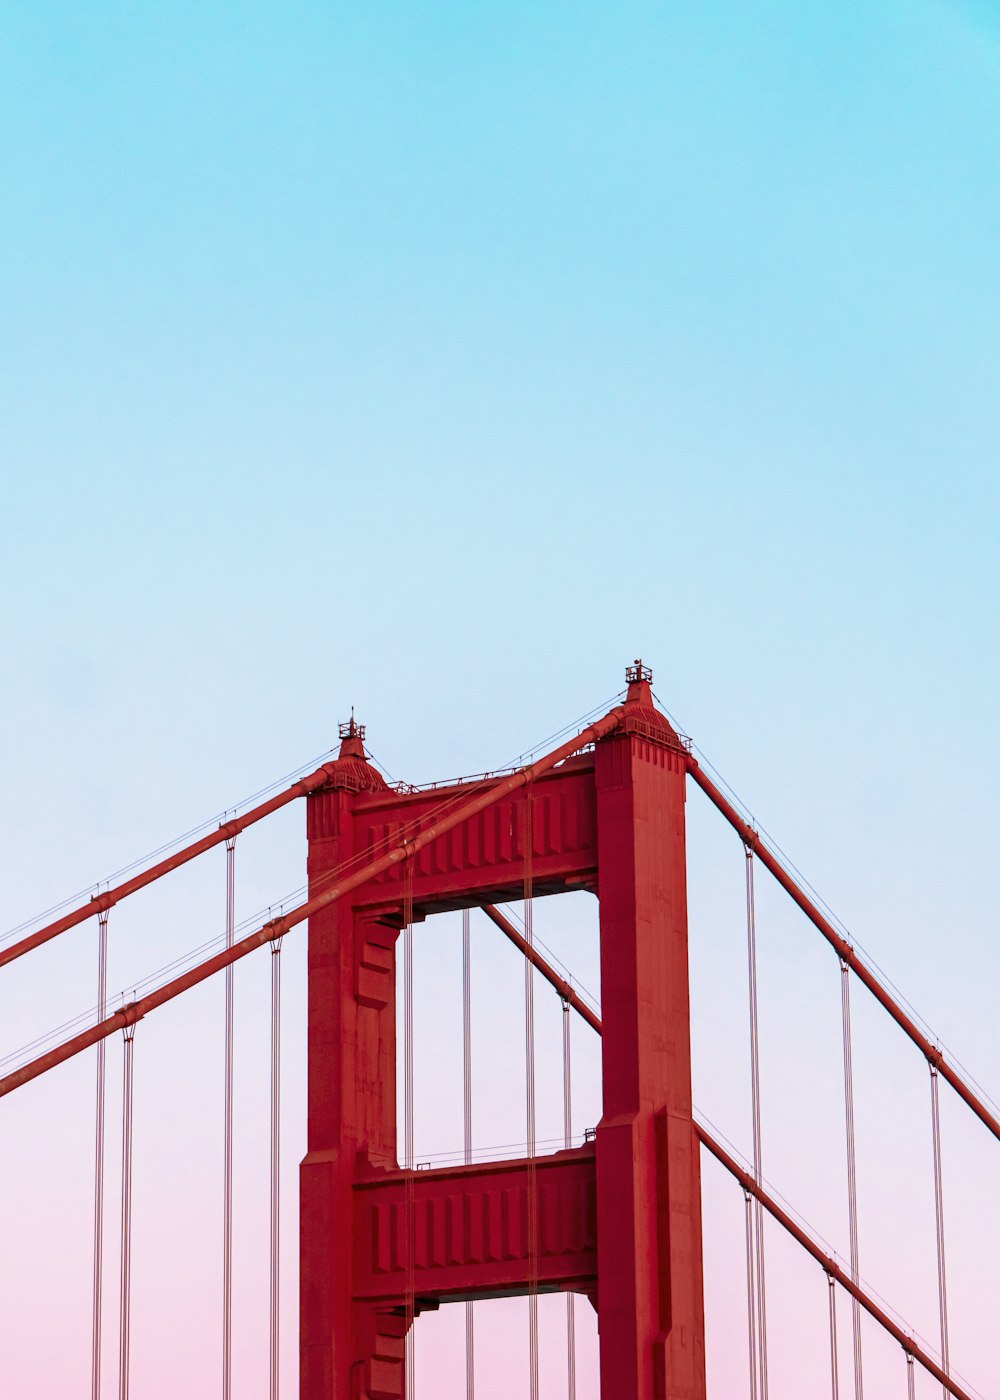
x: 618, y: 1219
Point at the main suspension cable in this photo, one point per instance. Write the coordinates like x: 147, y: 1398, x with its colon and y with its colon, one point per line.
x: 274, y: 1336
x: 565, y: 989
x: 227, y: 1168
x: 346, y: 868
x: 939, y: 1221
x: 870, y: 976
x: 470, y: 1339
x: 125, y: 1309
x: 98, y: 1284
x: 759, y: 1289
x: 10, y: 950
x: 453, y: 814
x: 568, y: 1142
x: 852, y: 1176
x: 874, y: 1306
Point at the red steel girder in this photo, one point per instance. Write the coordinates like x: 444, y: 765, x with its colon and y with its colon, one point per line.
x: 470, y: 1227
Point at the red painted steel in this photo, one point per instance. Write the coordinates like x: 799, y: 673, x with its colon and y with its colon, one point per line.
x: 470, y: 1230
x: 933, y: 1053
x: 482, y: 859
x: 135, y: 1011
x: 611, y: 821
x: 648, y: 1160
x: 618, y: 1219
x: 747, y: 1180
x: 906, y: 1341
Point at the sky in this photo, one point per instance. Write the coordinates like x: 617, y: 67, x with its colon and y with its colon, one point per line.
x: 438, y: 360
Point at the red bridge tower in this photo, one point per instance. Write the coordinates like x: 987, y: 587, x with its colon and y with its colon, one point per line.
x: 618, y: 1219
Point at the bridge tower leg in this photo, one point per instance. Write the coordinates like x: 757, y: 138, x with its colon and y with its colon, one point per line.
x: 651, y: 1310
x: 349, y: 1350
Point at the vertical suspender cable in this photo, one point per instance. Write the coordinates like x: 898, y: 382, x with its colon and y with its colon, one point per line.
x: 751, y: 1294
x: 227, y: 1167
x: 911, y: 1384
x: 852, y: 1178
x: 470, y: 1363
x: 102, y: 1011
x: 568, y: 1142
x: 408, y: 1141
x: 274, y: 1350
x: 834, y: 1376
x: 124, y: 1336
x: 529, y: 1075
x: 939, y: 1223
x: 757, y: 1209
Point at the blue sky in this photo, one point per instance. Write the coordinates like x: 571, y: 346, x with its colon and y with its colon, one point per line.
x: 440, y: 359
x: 441, y: 362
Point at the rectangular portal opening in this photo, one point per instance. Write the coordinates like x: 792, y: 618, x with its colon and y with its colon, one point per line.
x: 565, y: 930
x: 500, y: 1349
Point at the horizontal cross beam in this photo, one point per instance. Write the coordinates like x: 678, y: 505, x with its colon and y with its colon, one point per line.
x: 491, y: 1230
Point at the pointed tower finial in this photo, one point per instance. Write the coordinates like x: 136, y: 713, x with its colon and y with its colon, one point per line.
x: 352, y: 738
x: 640, y: 684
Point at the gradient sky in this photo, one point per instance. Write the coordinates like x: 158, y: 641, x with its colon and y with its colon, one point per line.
x: 439, y: 360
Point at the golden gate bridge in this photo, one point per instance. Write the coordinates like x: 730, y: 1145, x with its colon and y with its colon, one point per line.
x: 611, y: 1219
